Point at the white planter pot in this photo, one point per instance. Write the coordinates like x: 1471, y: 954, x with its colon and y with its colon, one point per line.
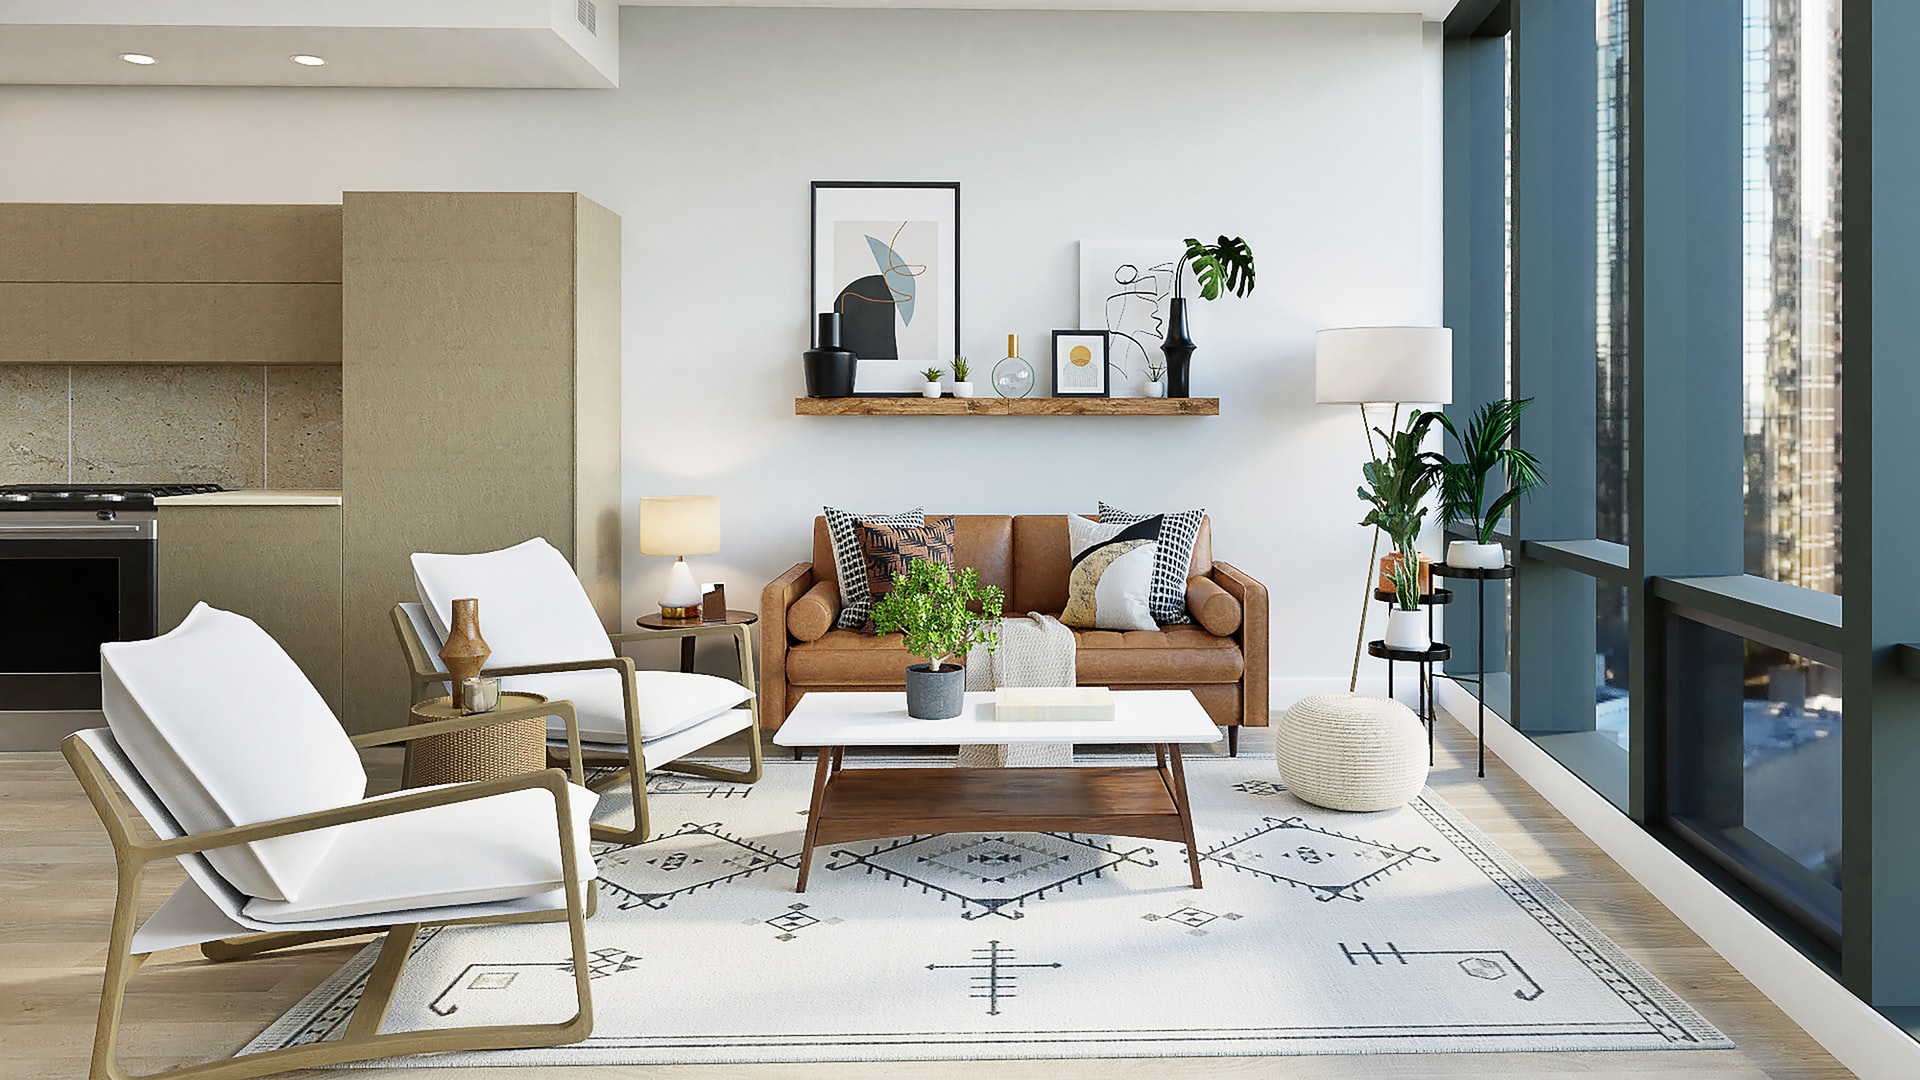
x: 1157, y: 389
x: 931, y: 389
x: 963, y: 389
x: 1468, y: 555
x: 1408, y: 630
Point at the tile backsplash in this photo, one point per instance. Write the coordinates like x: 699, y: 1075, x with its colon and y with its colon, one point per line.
x: 232, y: 425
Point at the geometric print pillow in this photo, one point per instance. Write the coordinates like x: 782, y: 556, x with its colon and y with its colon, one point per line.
x: 890, y: 550
x: 1168, y: 601
x: 850, y: 566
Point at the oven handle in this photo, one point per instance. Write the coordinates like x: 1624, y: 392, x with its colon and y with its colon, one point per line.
x: 102, y: 531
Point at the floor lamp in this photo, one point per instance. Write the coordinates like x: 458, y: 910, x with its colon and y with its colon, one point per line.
x: 1381, y: 365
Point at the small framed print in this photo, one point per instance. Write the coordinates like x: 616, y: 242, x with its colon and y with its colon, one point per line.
x: 1080, y: 364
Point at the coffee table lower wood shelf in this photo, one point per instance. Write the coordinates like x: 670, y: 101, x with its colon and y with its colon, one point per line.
x: 876, y: 803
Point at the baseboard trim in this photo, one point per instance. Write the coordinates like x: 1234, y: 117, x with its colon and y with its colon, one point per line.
x: 1856, y: 1035
x: 23, y: 731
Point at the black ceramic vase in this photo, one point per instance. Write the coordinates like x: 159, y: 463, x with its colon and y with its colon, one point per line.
x: 1178, y: 347
x: 829, y: 367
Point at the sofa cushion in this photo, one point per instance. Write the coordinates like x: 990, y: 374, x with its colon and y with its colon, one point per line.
x: 889, y: 550
x: 1169, y: 656
x: 502, y: 847
x: 849, y: 566
x: 226, y: 730
x: 670, y: 701
x: 1112, y: 575
x: 1178, y: 531
x: 1214, y: 608
x: 532, y: 608
x: 815, y: 612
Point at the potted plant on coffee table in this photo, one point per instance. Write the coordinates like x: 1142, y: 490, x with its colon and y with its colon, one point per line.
x: 1484, y: 448
x: 1397, y: 484
x: 935, y: 608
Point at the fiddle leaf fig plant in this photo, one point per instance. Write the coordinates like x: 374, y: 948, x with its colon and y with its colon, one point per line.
x: 1224, y: 266
x: 1484, y: 449
x: 1397, y: 484
x: 935, y: 608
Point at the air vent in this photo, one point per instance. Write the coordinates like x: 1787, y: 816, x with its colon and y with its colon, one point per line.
x: 588, y: 13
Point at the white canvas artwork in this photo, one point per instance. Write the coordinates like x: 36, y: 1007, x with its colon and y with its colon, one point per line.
x: 1124, y: 289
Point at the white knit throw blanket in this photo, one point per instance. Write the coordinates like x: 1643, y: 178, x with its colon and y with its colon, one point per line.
x: 1037, y: 650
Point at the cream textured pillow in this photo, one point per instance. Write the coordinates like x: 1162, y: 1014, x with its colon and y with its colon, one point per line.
x: 1111, y: 581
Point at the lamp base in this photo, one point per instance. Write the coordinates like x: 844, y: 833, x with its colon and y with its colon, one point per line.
x: 681, y: 614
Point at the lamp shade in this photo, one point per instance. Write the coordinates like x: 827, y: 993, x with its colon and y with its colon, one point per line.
x: 680, y: 525
x: 1367, y: 365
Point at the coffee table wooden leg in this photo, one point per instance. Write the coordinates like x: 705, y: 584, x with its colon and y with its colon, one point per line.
x: 813, y: 814
x: 1186, y: 810
x: 839, y: 758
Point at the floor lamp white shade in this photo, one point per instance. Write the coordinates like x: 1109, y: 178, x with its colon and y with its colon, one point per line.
x: 1370, y: 365
x: 680, y: 525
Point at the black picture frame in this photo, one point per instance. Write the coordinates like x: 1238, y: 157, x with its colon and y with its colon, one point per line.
x: 1063, y: 343
x: 895, y: 387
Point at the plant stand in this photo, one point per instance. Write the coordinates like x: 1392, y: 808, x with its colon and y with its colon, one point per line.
x: 1423, y: 659
x: 1480, y: 578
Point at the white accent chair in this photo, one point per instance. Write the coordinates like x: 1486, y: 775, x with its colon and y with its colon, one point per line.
x: 244, y: 776
x: 546, y: 638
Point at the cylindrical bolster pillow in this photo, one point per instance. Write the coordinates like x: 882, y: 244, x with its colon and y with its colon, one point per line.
x: 813, y: 615
x: 1213, y: 607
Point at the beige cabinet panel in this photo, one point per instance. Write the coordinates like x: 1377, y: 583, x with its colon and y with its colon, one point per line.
x: 188, y: 323
x: 169, y: 242
x: 277, y: 565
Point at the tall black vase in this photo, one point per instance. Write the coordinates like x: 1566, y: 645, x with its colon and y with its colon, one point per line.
x: 829, y: 367
x: 1178, y: 348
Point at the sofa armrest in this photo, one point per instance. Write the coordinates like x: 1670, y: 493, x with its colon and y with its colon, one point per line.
x: 1253, y: 639
x: 775, y: 600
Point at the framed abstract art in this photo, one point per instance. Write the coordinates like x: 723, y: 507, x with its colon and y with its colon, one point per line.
x: 1080, y: 360
x: 886, y: 257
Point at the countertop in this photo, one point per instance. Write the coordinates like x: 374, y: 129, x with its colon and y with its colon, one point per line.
x: 253, y: 497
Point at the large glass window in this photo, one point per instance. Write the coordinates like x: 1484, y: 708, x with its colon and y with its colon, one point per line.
x: 1756, y: 769
x: 1610, y: 329
x: 1791, y: 337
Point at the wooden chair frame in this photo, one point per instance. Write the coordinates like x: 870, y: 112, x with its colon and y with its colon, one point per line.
x: 631, y: 765
x: 362, y: 1040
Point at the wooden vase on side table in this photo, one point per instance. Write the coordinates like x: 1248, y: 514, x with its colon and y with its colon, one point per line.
x: 465, y: 652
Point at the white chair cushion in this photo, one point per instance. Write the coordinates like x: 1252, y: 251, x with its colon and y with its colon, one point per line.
x: 532, y: 608
x: 226, y: 730
x: 670, y: 701
x: 485, y: 850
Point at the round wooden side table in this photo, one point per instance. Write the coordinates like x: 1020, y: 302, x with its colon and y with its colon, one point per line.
x: 653, y: 624
x: 515, y: 744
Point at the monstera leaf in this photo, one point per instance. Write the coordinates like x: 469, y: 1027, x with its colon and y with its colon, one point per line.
x: 1225, y: 266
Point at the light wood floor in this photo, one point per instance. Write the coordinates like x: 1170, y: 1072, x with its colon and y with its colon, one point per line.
x: 56, y: 896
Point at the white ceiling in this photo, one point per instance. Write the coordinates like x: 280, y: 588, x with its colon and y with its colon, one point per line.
x: 481, y: 43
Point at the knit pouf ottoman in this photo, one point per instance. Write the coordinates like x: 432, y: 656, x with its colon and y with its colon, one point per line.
x: 1351, y: 751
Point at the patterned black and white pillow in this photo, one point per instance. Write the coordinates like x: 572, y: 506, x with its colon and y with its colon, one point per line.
x: 1177, y: 535
x: 856, y: 600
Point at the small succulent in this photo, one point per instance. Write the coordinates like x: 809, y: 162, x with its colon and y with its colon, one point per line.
x: 1156, y: 370
x: 933, y: 373
x: 960, y: 369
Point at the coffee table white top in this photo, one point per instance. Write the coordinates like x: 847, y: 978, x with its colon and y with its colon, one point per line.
x: 880, y: 719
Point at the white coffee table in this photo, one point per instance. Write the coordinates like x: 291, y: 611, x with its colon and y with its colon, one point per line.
x: 872, y: 804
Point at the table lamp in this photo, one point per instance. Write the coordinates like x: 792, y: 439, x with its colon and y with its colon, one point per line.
x: 1381, y: 365
x: 680, y: 525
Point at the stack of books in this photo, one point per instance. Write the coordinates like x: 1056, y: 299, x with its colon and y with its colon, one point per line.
x: 1053, y: 703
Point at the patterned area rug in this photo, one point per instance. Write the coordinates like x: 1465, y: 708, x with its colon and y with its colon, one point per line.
x: 1317, y: 932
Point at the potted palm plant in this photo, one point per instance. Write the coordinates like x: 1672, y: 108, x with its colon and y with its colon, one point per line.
x: 936, y: 609
x: 962, y: 383
x: 1485, y: 449
x: 932, y: 387
x: 1224, y: 266
x: 1397, y: 485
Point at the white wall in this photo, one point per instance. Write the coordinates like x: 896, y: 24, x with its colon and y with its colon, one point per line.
x: 1313, y: 136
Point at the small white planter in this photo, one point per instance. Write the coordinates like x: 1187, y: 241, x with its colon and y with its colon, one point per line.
x: 963, y: 389
x: 931, y: 389
x: 1469, y: 555
x: 1408, y: 630
x: 1157, y: 388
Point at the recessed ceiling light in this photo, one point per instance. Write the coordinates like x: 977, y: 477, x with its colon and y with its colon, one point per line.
x: 307, y: 59
x: 136, y: 58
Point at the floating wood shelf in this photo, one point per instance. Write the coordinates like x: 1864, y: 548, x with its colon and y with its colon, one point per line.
x: 995, y: 406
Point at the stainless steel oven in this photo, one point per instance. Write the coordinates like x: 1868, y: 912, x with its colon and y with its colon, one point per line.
x: 77, y: 568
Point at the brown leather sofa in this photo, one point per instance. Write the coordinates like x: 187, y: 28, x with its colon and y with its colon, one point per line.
x: 1221, y: 657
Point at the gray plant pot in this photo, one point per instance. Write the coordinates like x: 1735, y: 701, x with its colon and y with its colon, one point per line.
x: 935, y: 695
